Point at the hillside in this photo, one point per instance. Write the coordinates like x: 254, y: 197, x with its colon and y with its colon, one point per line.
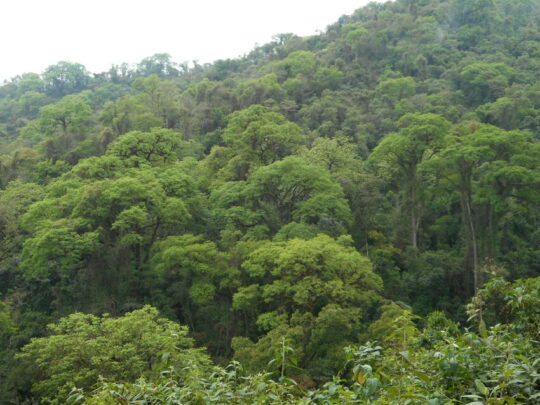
x: 331, y: 210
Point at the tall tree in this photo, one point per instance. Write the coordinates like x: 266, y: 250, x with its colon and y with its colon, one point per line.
x: 400, y: 155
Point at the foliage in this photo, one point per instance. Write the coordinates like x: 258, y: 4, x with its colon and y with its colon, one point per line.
x: 83, y: 348
x: 314, y: 194
x: 437, y: 365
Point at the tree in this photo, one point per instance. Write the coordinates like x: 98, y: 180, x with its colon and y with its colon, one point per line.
x: 98, y: 234
x: 257, y: 138
x: 158, y: 146
x: 120, y: 115
x: 296, y: 63
x: 304, y: 291
x: 496, y: 172
x: 290, y: 190
x: 160, y: 97
x: 394, y: 89
x: 82, y: 348
x: 399, y: 156
x: 30, y: 82
x: 65, y: 78
x: 158, y: 64
x: 307, y: 275
x: 485, y: 82
x: 69, y: 115
x: 189, y: 277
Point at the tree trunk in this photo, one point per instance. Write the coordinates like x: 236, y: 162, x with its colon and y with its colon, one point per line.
x: 474, y: 245
x: 415, y: 216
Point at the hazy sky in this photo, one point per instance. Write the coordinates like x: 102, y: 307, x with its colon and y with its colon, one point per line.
x: 99, y: 33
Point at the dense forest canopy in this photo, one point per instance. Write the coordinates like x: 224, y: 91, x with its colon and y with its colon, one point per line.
x: 351, y: 217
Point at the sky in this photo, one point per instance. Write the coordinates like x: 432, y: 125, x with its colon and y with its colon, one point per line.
x: 100, y: 33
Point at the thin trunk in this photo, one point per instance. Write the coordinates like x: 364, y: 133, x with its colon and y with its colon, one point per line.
x: 415, y: 217
x: 474, y: 245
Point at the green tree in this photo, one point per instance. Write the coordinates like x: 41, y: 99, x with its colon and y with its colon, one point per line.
x: 190, y: 268
x: 82, y: 348
x: 160, y: 97
x: 400, y: 155
x: 158, y: 64
x: 70, y: 115
x: 65, y: 78
x: 158, y: 146
x: 496, y: 172
x: 290, y: 190
x: 302, y: 290
x: 484, y: 82
x: 258, y: 137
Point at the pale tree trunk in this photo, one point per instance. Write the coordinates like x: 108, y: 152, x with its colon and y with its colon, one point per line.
x: 415, y: 215
x: 474, y: 245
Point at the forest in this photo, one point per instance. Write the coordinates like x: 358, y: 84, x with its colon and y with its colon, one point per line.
x: 346, y: 218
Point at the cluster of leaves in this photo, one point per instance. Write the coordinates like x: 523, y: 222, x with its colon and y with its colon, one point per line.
x: 82, y: 348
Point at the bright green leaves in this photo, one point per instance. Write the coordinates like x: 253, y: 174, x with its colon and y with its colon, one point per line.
x: 158, y: 96
x: 292, y: 189
x: 57, y: 251
x: 105, y: 227
x: 312, y: 292
x: 296, y: 63
x: 62, y: 127
x: 65, y: 78
x: 81, y: 348
x: 138, y: 148
x: 188, y: 276
x: 497, y: 175
x: 309, y: 274
x: 189, y: 268
x: 103, y: 201
x: 395, y: 89
x: 70, y: 114
x: 400, y: 154
x: 7, y: 325
x: 258, y: 137
x: 399, y: 157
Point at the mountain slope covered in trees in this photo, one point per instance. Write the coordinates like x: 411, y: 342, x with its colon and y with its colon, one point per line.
x: 326, y: 210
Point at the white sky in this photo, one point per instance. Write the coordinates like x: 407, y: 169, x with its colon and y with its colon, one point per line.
x: 98, y: 33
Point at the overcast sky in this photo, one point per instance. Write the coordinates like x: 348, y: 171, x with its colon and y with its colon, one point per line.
x: 98, y: 33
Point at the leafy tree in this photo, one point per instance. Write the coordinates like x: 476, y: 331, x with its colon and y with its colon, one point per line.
x: 257, y: 138
x: 304, y: 291
x: 399, y: 156
x: 188, y: 276
x: 395, y: 89
x: 65, y: 78
x: 285, y: 191
x: 30, y: 82
x: 160, y: 97
x: 68, y: 115
x: 296, y: 63
x: 483, y: 158
x: 158, y: 64
x: 138, y: 148
x: 484, y: 82
x: 82, y: 348
x: 113, y: 224
x: 120, y: 115
x: 307, y: 275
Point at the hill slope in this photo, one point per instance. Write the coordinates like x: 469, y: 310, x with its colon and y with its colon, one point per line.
x: 317, y: 185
